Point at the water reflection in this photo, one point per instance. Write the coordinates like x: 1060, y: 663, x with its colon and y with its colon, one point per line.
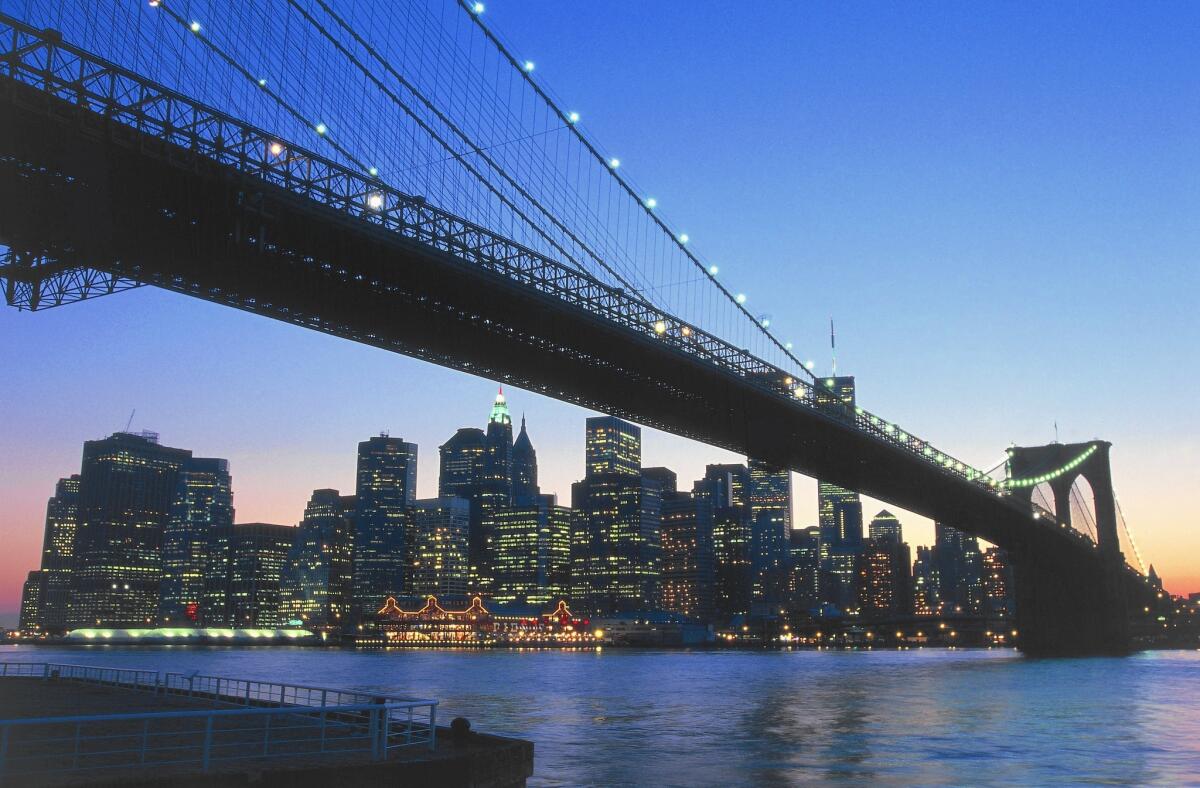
x: 739, y: 718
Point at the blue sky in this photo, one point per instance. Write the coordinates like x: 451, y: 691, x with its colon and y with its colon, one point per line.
x: 998, y: 204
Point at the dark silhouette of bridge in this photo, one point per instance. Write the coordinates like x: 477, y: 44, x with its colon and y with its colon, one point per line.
x: 109, y: 180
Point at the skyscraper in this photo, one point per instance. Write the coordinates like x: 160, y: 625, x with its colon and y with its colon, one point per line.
x: 620, y: 513
x: 58, y: 551
x: 30, y: 619
x: 885, y: 526
x: 925, y: 582
x: 998, y: 584
x: 839, y: 510
x: 885, y: 579
x: 203, y: 501
x: 317, y: 585
x: 126, y: 487
x: 726, y: 488
x: 959, y: 570
x: 385, y: 488
x: 688, y: 579
x: 770, y: 501
x: 439, y: 559
x: 533, y: 551
x: 805, y: 567
x: 242, y: 586
x: 524, y: 469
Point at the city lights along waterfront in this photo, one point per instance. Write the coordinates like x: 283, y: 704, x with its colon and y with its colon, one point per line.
x: 742, y: 571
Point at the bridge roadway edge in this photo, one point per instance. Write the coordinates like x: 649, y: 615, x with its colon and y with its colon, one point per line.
x: 144, y: 208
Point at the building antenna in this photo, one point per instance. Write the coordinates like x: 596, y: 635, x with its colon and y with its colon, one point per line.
x: 129, y: 423
x: 1056, y: 430
x: 833, y: 346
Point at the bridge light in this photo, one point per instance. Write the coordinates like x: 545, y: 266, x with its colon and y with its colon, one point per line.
x: 799, y: 392
x: 276, y: 149
x: 651, y: 202
x: 787, y: 345
x: 375, y: 201
x: 194, y: 27
x: 713, y: 270
x: 687, y: 332
x: 154, y: 3
x: 262, y: 83
x: 477, y: 8
x: 660, y: 327
x: 787, y: 381
x: 809, y: 365
x: 528, y: 65
x: 614, y: 162
x: 766, y: 322
x: 321, y: 128
x: 683, y: 238
x: 573, y: 117
x: 741, y: 298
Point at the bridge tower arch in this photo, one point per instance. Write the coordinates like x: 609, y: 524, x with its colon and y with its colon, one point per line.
x: 1059, y: 465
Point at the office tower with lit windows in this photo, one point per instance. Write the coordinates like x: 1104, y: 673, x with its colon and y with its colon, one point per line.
x: 769, y: 497
x: 29, y: 621
x: 203, y: 501
x: 618, y: 551
x: 244, y: 575
x: 58, y: 551
x: 127, y: 484
x: 885, y: 579
x: 804, y: 568
x: 959, y: 569
x: 998, y: 584
x: 726, y: 489
x: 839, y: 511
x: 385, y: 487
x: 524, y: 469
x: 440, y: 565
x: 925, y: 582
x: 317, y: 585
x: 533, y: 551
x: 688, y: 580
x: 885, y: 527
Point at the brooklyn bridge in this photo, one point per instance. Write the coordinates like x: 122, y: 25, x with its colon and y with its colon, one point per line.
x: 405, y: 181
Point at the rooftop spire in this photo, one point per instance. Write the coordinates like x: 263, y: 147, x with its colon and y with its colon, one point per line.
x: 500, y: 409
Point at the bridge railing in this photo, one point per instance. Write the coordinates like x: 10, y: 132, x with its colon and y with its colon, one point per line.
x: 124, y: 99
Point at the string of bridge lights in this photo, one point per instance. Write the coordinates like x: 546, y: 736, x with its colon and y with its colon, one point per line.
x: 649, y: 204
x: 375, y: 201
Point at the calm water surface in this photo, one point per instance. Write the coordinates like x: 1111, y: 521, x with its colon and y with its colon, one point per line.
x: 741, y: 718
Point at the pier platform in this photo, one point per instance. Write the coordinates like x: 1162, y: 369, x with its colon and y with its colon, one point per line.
x: 74, y: 725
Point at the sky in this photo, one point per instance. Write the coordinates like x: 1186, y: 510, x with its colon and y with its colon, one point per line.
x: 999, y: 205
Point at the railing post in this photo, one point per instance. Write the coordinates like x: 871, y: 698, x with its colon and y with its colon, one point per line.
x: 282, y: 693
x: 322, y: 730
x: 208, y: 730
x: 267, y: 736
x: 373, y: 731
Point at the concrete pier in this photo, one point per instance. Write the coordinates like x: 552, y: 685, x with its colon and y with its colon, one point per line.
x: 474, y: 761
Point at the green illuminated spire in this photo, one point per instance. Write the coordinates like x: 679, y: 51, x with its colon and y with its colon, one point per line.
x: 500, y: 410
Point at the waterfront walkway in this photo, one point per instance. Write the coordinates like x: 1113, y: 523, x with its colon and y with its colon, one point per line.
x: 61, y: 731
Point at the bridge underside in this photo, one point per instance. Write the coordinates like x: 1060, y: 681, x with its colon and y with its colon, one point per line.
x: 90, y: 195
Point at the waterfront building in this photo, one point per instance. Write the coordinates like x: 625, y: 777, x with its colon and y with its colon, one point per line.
x: 688, y: 576
x: 30, y: 618
x: 440, y: 561
x: 960, y: 570
x: 839, y: 511
x: 203, y: 501
x: 58, y: 551
x: 244, y: 575
x: 618, y: 551
x: 998, y: 584
x: 533, y: 551
x: 885, y: 527
x: 385, y: 488
x: 127, y: 485
x: 726, y: 489
x: 431, y: 624
x: 770, y: 502
x: 524, y: 469
x: 885, y: 579
x: 317, y: 584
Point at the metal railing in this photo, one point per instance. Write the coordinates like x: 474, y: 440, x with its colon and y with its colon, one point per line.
x: 277, y: 720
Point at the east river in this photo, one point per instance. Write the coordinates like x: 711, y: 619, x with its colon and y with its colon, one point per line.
x: 615, y: 717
